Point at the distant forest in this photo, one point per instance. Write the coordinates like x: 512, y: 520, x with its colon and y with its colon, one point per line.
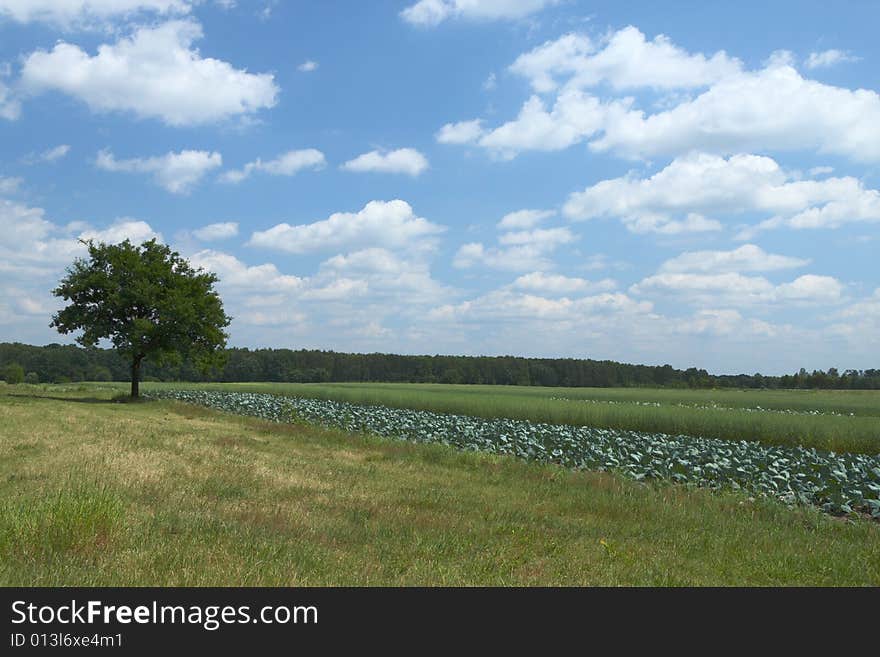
x: 56, y: 363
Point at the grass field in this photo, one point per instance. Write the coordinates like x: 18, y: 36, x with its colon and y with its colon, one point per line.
x: 98, y: 493
x: 678, y: 412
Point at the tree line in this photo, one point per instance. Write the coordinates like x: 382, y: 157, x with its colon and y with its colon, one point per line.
x: 57, y: 363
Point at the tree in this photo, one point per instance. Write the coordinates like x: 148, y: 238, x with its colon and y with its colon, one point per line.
x: 13, y: 373
x: 148, y: 301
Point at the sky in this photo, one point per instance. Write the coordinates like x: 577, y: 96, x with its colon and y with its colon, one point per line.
x: 688, y: 183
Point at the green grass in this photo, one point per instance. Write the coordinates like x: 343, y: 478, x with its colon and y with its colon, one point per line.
x: 98, y: 493
x: 858, y: 433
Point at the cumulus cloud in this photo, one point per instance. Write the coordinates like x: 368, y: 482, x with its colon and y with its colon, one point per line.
x: 726, y: 322
x: 747, y: 258
x: 308, y: 66
x: 625, y: 59
x: 541, y: 283
x: 85, y: 13
x: 726, y: 109
x: 523, y: 219
x: 463, y: 132
x: 828, y: 58
x: 407, y: 161
x: 286, y: 164
x: 121, y: 230
x: 391, y: 278
x: 734, y: 289
x: 774, y: 108
x: 177, y: 173
x: 859, y: 324
x: 513, y: 305
x: 428, y: 13
x: 35, y: 247
x: 574, y: 116
x: 219, y: 231
x: 154, y: 73
x: 10, y: 185
x: 517, y: 251
x: 346, y: 301
x: 385, y: 224
x: 10, y: 106
x: 700, y: 184
x: 54, y: 154
x: 233, y: 273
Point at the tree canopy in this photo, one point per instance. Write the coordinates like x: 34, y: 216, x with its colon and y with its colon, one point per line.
x: 148, y: 301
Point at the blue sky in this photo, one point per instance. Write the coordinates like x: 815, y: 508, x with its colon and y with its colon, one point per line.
x: 681, y: 182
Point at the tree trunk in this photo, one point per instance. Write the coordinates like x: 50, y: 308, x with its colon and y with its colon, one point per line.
x: 136, y: 376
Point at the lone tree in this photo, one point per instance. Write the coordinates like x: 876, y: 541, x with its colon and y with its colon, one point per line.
x: 148, y: 301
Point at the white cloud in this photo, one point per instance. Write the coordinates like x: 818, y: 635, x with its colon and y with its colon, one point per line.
x: 391, y: 278
x: 155, y: 73
x: 574, y: 116
x: 403, y: 160
x: 698, y: 184
x: 812, y: 289
x: 10, y: 185
x: 542, y: 237
x: 463, y: 132
x: 178, y: 173
x: 517, y: 258
x: 286, y: 164
x: 121, y: 230
x: 625, y: 60
x: 233, y: 273
x: 518, y: 250
x: 346, y: 303
x: 337, y: 290
x: 829, y: 58
x: 84, y: 13
x: 773, y: 108
x: 428, y: 13
x: 219, y: 231
x: 523, y: 219
x: 747, y: 258
x: 35, y: 250
x: 539, y: 282
x: 386, y: 224
x: 29, y: 238
x: 55, y: 154
x: 780, y: 57
x: 511, y: 305
x: 859, y: 324
x: 308, y: 66
x: 616, y: 326
x: 10, y: 106
x: 734, y: 289
x: 727, y: 322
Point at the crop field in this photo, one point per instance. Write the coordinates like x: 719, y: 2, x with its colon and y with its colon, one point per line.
x: 837, y: 483
x: 841, y: 421
x: 164, y: 493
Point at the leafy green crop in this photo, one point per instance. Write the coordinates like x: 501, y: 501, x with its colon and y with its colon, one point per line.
x: 838, y: 483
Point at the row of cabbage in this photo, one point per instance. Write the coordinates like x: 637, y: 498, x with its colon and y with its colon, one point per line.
x: 837, y: 483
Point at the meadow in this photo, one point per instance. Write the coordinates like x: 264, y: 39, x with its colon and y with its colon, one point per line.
x: 163, y: 493
x: 842, y: 421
